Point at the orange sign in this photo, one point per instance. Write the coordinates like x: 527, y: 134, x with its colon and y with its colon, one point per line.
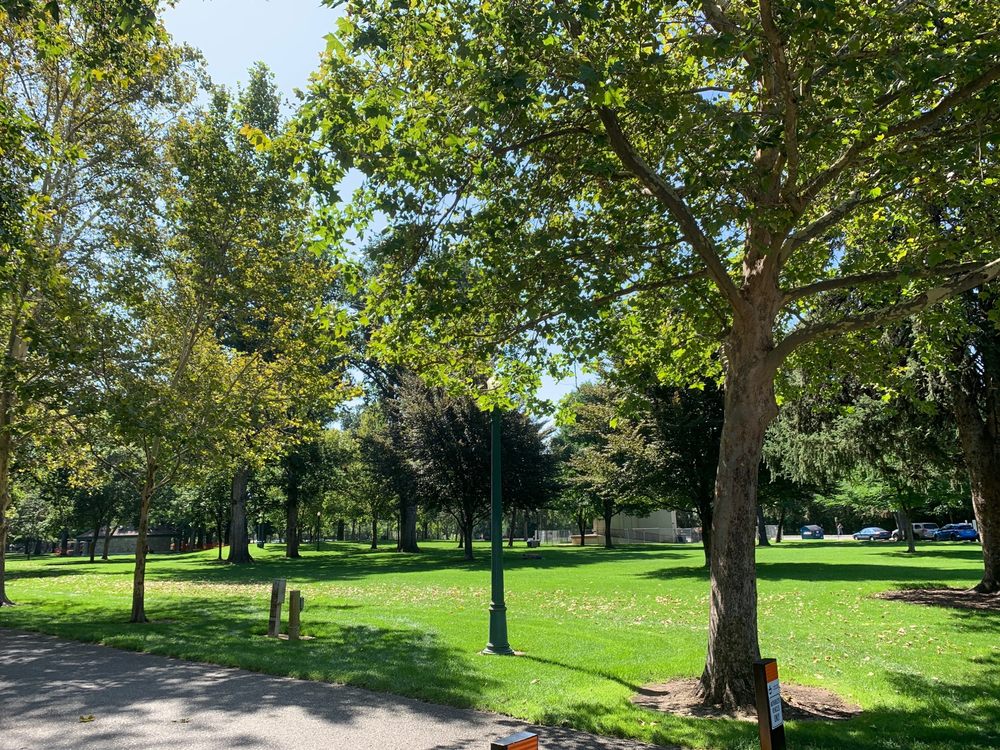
x: 519, y: 741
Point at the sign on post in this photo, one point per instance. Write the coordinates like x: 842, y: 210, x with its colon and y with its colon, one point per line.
x: 769, y: 717
x: 519, y: 741
x: 277, y: 598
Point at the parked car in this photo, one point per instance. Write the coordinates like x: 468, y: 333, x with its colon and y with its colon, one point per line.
x: 957, y: 532
x: 920, y: 531
x: 811, y: 531
x: 871, y: 533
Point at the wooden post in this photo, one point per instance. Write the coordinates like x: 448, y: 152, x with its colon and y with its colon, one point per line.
x: 769, y: 718
x: 294, y: 608
x: 519, y: 741
x: 277, y: 598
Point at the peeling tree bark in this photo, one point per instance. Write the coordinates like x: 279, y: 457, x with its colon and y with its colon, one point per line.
x: 749, y: 408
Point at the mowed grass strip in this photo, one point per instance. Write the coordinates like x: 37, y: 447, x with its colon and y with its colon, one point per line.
x: 594, y: 625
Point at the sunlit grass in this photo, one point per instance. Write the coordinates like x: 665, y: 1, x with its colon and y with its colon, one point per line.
x: 593, y: 625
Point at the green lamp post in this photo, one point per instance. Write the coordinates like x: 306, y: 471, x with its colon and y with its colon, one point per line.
x: 498, y: 610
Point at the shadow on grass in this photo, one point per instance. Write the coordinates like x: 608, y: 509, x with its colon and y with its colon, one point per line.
x: 946, y: 715
x: 923, y: 571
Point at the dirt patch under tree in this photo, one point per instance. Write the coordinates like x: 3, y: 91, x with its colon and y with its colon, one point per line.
x: 957, y: 598
x: 799, y: 703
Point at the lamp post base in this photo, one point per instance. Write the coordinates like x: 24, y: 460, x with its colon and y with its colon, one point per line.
x: 498, y: 645
x: 491, y: 650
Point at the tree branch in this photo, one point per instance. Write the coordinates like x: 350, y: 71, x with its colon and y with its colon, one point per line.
x: 816, y: 228
x: 605, y: 299
x: 541, y: 137
x: 782, y: 79
x: 873, y: 277
x: 680, y: 211
x: 946, y: 104
x: 715, y: 14
x: 885, y: 315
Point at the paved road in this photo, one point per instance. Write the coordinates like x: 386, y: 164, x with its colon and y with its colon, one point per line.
x: 150, y: 702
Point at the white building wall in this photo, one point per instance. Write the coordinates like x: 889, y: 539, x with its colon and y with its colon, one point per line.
x: 659, y: 526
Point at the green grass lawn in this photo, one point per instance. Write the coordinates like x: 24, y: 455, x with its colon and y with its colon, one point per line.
x: 593, y: 625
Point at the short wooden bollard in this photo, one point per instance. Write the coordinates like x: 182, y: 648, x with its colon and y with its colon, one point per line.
x: 277, y: 598
x: 295, y: 603
x: 769, y: 717
x: 519, y: 741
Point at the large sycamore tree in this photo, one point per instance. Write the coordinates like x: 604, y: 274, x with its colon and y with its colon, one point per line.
x: 83, y: 86
x: 698, y: 176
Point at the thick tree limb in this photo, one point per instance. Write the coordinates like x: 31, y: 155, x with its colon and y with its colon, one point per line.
x: 782, y: 81
x: 874, y: 277
x: 715, y: 14
x: 828, y: 220
x: 681, y: 212
x: 885, y: 315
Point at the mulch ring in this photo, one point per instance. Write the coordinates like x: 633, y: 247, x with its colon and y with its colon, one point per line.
x: 799, y: 703
x: 958, y: 598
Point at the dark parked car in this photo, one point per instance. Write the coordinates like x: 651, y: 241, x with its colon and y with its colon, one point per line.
x: 811, y: 531
x: 957, y: 532
x: 871, y: 533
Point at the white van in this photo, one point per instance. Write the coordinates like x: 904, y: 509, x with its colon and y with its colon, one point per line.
x: 920, y: 531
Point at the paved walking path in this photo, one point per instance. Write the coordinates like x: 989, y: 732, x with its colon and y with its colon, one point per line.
x: 151, y: 702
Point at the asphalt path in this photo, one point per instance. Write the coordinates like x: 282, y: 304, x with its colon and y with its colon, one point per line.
x: 57, y: 694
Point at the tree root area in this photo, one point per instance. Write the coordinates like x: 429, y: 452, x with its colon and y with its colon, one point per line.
x: 956, y: 598
x: 799, y: 703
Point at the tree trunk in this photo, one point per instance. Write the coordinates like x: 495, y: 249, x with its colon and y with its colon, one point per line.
x: 982, y: 459
x: 781, y: 526
x: 907, y: 529
x: 467, y: 538
x: 581, y: 522
x: 510, y: 532
x: 761, y: 528
x: 374, y: 544
x: 141, y: 550
x: 340, y: 530
x: 218, y: 531
x: 93, y: 544
x: 239, y: 541
x: 749, y: 408
x: 705, y: 517
x: 609, y: 513
x: 6, y: 448
x: 292, y: 522
x: 407, y: 526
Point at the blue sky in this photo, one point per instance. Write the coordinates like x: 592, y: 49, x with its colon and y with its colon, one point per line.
x: 234, y: 34
x: 287, y: 35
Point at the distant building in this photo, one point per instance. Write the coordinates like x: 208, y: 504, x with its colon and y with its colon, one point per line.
x: 159, y: 539
x: 659, y: 526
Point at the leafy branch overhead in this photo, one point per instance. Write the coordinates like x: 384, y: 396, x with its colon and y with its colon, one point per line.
x: 543, y: 164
